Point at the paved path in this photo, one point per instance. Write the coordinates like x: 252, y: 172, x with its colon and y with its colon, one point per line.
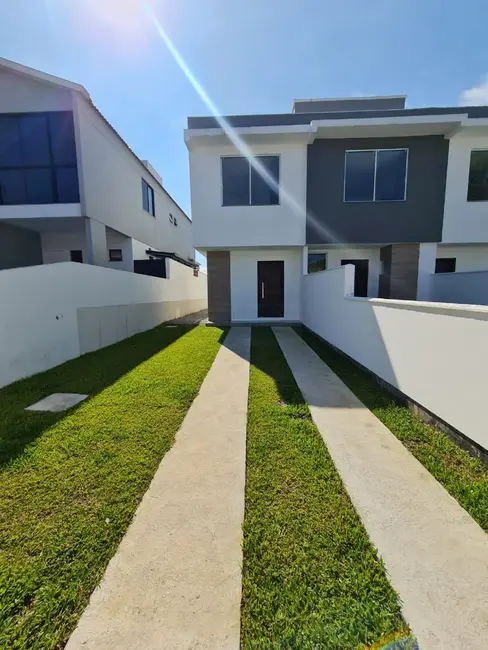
x: 175, y: 581
x: 435, y: 554
x: 190, y: 319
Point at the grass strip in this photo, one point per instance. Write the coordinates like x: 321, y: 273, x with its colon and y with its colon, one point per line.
x: 311, y: 577
x: 464, y: 477
x: 70, y: 482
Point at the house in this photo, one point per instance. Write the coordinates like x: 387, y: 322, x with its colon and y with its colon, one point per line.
x: 399, y: 193
x: 71, y: 189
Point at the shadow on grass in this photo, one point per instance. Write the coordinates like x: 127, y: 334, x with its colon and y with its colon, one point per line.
x: 88, y: 374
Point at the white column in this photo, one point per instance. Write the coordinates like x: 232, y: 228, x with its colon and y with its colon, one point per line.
x: 305, y: 261
x: 427, y: 257
x: 127, y: 254
x: 96, y: 242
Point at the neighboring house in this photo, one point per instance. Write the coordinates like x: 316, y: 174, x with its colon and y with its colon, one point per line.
x: 400, y: 193
x: 70, y: 188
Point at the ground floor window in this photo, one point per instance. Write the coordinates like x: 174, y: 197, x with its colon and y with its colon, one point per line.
x: 76, y: 256
x: 445, y: 265
x: 317, y: 262
x: 115, y: 254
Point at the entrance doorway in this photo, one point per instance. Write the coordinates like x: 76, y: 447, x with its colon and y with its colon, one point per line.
x: 271, y: 289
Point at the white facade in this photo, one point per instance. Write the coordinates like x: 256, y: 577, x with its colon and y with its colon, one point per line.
x: 244, y: 281
x: 218, y: 226
x: 464, y: 221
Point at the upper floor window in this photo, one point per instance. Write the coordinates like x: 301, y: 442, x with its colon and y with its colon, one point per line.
x: 38, y: 159
x: 148, y: 198
x: 247, y: 184
x: 478, y: 176
x: 375, y: 175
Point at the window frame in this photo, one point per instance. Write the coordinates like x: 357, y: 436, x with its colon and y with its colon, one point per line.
x: 375, y: 151
x: 249, y: 205
x: 52, y: 167
x: 468, y: 200
x: 145, y: 187
x: 113, y: 250
x: 315, y: 252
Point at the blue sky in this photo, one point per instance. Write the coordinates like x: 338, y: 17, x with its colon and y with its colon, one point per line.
x: 251, y: 56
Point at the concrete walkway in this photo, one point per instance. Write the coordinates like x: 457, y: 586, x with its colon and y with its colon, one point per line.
x: 175, y: 581
x: 435, y: 554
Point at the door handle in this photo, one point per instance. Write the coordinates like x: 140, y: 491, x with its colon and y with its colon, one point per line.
x: 262, y: 290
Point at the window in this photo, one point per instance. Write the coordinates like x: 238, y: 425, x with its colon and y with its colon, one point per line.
x: 445, y: 265
x: 38, y: 159
x: 478, y: 176
x: 148, y: 198
x: 375, y: 175
x: 115, y: 254
x: 317, y: 262
x: 76, y: 256
x: 245, y: 184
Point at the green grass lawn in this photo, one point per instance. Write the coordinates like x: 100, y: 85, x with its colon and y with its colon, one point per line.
x: 70, y: 482
x: 311, y: 578
x: 463, y: 476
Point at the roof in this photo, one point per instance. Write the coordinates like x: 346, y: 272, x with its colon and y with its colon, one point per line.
x: 289, y: 119
x: 44, y: 77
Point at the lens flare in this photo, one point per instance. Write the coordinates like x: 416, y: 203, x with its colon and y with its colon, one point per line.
x: 231, y: 133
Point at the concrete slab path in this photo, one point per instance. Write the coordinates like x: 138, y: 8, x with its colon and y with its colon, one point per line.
x: 175, y: 581
x: 435, y: 553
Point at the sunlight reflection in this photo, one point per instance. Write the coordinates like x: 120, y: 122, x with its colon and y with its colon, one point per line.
x: 231, y: 133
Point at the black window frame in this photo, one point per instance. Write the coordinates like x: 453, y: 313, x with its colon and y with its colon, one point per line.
x: 148, y: 191
x: 375, y: 151
x: 443, y: 262
x: 309, y: 262
x: 52, y: 166
x: 250, y: 203
x: 115, y: 255
x: 473, y: 188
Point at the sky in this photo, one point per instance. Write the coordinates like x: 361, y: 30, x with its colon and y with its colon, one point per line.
x: 251, y: 56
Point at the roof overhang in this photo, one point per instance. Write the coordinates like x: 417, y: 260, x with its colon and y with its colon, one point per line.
x: 367, y: 127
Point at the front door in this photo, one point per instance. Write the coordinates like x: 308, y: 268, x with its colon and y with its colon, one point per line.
x: 360, y: 276
x: 271, y: 289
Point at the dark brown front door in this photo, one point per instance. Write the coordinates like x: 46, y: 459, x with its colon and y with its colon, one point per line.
x: 360, y: 276
x: 271, y: 289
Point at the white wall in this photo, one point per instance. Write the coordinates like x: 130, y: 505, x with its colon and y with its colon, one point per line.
x: 464, y: 221
x: 110, y: 180
x: 20, y: 94
x: 469, y: 288
x: 434, y: 353
x: 468, y: 258
x: 244, y: 281
x: 59, y: 311
x: 336, y: 255
x: 273, y: 225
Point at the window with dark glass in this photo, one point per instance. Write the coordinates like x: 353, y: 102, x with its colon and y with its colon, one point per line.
x: 445, y: 265
x: 115, y: 254
x: 148, y: 198
x: 246, y: 183
x: 317, y: 262
x: 38, y: 159
x: 478, y: 176
x: 76, y: 256
x: 375, y: 175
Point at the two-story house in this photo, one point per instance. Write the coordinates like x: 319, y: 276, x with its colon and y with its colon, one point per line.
x: 71, y: 189
x: 400, y: 193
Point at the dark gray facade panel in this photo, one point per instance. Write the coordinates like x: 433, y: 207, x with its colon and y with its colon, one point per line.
x: 218, y: 285
x: 363, y: 104
x: 417, y: 219
x: 19, y: 247
x: 286, y: 119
